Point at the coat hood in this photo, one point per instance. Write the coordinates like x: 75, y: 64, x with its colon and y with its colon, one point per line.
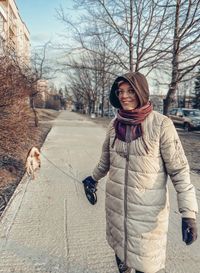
x: 139, y: 84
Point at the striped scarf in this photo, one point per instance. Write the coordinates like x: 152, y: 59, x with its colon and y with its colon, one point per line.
x: 132, y: 119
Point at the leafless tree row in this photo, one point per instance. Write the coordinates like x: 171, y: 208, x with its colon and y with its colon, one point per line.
x: 132, y: 35
x: 18, y: 91
x: 186, y: 45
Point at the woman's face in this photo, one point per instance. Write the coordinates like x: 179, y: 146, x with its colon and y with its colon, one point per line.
x: 127, y: 96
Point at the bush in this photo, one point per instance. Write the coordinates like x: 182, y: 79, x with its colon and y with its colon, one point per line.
x: 14, y: 106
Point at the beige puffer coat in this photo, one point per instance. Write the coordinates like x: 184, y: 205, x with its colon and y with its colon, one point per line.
x: 137, y: 206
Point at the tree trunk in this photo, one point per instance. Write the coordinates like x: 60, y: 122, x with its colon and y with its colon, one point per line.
x: 175, y: 64
x: 36, y: 117
x: 32, y: 104
x: 131, y: 64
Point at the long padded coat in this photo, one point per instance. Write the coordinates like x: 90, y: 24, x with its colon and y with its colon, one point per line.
x: 137, y: 206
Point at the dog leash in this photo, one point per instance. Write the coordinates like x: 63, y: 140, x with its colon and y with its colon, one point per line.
x: 64, y: 172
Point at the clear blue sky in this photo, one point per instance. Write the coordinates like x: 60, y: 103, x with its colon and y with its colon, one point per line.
x: 41, y: 21
x: 40, y: 18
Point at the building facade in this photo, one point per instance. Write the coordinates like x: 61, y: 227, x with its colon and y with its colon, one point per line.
x: 14, y: 35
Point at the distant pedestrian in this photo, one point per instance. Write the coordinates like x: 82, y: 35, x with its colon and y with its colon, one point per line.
x: 63, y: 102
x: 140, y: 150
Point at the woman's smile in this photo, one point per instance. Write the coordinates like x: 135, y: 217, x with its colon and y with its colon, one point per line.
x: 127, y: 96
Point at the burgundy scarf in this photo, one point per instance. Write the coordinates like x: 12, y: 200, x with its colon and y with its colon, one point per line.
x: 131, y: 120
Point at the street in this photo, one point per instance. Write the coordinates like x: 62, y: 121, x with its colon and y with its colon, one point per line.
x: 49, y: 226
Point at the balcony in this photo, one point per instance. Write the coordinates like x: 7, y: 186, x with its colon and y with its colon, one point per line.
x: 3, y: 35
x: 13, y: 29
x: 3, y: 13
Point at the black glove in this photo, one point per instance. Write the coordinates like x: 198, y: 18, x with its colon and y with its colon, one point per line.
x: 89, y: 182
x: 189, y: 230
x: 90, y: 189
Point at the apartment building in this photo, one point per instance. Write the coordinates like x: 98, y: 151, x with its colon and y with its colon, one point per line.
x: 14, y: 34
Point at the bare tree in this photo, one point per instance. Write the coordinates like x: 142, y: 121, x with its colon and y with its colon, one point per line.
x: 137, y: 30
x: 40, y: 69
x: 143, y: 35
x: 96, y: 60
x: 83, y: 84
x: 123, y: 35
x: 185, y: 52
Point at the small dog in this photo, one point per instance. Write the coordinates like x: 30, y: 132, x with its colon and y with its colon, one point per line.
x: 33, y: 162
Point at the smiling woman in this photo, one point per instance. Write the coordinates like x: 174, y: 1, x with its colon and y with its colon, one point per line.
x: 140, y: 150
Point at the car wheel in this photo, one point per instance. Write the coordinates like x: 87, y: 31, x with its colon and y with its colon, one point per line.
x: 187, y: 127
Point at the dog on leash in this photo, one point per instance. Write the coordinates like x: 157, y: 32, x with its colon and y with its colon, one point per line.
x: 33, y: 162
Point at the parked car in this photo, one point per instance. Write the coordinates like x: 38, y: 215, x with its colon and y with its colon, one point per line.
x: 186, y: 118
x: 109, y: 113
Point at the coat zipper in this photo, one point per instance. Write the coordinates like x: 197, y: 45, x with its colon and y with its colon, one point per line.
x: 128, y: 133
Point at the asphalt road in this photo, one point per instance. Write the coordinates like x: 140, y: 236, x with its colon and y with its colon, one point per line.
x: 49, y: 226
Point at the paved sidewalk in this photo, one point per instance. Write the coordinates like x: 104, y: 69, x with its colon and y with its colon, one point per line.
x: 49, y: 226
